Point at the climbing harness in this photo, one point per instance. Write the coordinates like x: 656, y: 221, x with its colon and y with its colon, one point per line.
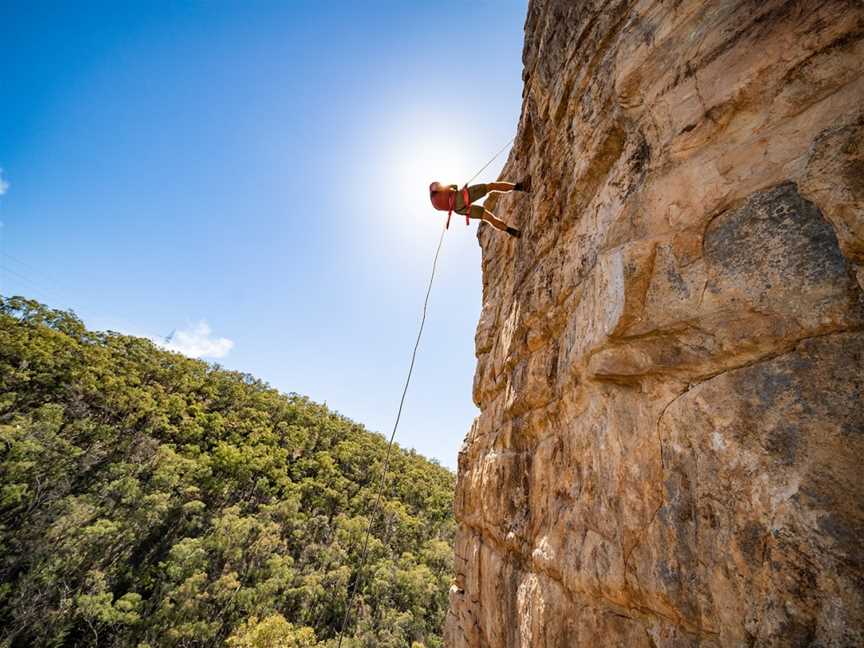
x: 451, y: 197
x: 383, y: 481
x: 465, y: 200
x: 466, y: 203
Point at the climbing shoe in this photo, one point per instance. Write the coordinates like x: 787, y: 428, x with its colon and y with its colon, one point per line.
x: 512, y: 231
x: 523, y: 185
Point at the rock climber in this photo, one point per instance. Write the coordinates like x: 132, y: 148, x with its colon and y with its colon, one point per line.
x: 451, y: 199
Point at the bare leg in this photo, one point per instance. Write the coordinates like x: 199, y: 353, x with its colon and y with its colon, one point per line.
x: 477, y: 211
x: 494, y: 221
x: 501, y: 186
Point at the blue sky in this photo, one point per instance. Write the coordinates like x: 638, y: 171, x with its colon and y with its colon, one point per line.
x: 253, y: 175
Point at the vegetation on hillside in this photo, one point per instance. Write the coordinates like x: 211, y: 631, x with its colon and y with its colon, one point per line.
x: 147, y: 499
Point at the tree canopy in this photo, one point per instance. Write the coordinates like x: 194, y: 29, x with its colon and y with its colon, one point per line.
x: 148, y: 499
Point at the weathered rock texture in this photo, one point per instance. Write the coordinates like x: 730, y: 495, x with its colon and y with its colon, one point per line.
x: 671, y: 360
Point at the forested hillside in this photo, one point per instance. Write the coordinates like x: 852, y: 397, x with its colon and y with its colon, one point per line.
x: 152, y: 500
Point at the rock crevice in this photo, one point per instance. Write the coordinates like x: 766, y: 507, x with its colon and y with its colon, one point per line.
x: 671, y: 360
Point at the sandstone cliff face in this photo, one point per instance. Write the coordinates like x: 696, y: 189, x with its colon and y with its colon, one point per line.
x: 671, y: 360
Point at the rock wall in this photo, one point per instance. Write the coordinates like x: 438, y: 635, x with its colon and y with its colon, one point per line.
x: 671, y: 360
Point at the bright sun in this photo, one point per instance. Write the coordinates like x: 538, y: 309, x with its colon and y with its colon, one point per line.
x: 422, y: 157
x: 418, y: 147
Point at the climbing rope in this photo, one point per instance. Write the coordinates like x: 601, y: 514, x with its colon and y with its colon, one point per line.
x: 491, y: 160
x: 390, y: 443
x: 383, y: 480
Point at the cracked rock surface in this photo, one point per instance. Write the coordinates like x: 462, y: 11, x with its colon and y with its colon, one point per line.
x: 670, y: 372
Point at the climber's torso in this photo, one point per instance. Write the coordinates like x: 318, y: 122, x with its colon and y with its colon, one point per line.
x: 442, y: 196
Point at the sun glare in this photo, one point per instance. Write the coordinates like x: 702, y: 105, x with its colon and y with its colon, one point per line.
x: 419, y: 155
x: 402, y: 156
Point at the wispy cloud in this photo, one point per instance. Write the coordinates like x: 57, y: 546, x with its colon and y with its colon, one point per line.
x: 4, y: 185
x: 197, y: 341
